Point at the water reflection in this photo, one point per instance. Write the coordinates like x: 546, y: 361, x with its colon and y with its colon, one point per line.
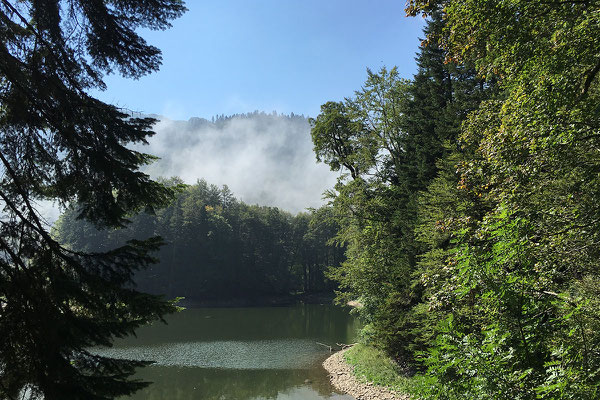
x: 239, y: 353
x: 230, y: 384
x: 304, y: 321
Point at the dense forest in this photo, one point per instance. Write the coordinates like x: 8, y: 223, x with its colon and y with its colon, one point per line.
x: 465, y: 222
x: 219, y: 248
x: 469, y: 201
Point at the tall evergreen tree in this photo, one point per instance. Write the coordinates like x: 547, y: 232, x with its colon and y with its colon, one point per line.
x: 58, y: 143
x: 392, y: 137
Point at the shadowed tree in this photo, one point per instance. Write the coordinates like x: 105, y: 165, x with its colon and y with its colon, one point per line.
x: 59, y: 143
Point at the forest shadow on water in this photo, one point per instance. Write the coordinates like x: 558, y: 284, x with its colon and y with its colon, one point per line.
x: 232, y: 384
x: 239, y: 353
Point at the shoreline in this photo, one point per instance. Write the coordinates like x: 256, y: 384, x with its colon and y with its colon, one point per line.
x: 341, y: 376
x: 271, y: 300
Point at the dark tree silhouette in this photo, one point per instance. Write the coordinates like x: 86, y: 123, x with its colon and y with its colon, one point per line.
x: 59, y: 143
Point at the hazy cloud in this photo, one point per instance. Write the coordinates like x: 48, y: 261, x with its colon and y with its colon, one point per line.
x: 263, y: 158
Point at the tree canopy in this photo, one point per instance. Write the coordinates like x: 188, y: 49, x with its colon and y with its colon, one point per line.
x: 219, y: 248
x: 58, y: 143
x: 525, y: 271
x: 477, y: 259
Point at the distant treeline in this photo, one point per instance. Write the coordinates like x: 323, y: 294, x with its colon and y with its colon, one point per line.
x: 218, y: 247
x: 220, y: 118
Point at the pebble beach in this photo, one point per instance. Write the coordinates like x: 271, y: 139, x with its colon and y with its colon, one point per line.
x: 341, y: 375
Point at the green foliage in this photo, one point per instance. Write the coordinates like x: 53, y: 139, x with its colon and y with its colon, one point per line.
x: 219, y: 248
x: 395, y: 137
x: 519, y: 320
x: 473, y: 244
x: 373, y: 365
x: 58, y: 143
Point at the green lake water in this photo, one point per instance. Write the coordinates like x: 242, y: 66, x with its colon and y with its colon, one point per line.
x: 240, y: 353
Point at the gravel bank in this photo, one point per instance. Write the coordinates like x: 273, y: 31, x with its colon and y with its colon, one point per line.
x: 342, y: 378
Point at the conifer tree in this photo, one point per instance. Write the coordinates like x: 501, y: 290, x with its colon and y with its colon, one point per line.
x: 59, y: 143
x: 392, y: 137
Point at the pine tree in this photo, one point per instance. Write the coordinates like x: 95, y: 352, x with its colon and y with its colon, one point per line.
x: 440, y: 96
x: 392, y: 138
x: 59, y: 143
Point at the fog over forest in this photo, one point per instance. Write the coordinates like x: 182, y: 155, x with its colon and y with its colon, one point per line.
x: 264, y: 158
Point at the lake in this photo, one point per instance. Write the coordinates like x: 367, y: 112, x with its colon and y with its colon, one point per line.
x: 240, y: 353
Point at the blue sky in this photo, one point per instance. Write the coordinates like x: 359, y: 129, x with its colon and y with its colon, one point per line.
x: 235, y: 56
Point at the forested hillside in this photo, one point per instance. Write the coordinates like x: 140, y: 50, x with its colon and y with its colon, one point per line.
x: 265, y: 158
x: 469, y: 201
x: 220, y: 248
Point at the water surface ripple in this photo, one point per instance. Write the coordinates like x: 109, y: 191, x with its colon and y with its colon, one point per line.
x: 258, y: 354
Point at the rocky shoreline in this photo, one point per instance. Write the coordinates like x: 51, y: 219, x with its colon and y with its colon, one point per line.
x: 341, y: 375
